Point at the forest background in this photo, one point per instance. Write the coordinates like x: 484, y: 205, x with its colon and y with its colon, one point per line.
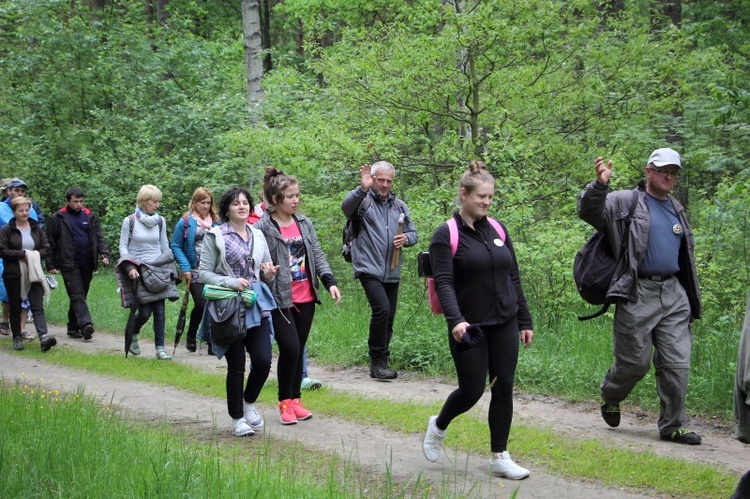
x: 113, y: 94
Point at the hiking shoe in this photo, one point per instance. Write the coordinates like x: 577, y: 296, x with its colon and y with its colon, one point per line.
x: 191, y: 344
x: 4, y: 328
x: 162, y: 354
x: 87, y: 332
x: 18, y: 343
x: 433, y: 440
x: 380, y: 370
x: 28, y: 336
x: 682, y: 436
x: 74, y: 333
x: 310, y: 384
x: 47, y: 342
x: 251, y: 415
x: 299, y: 410
x: 240, y: 428
x: 611, y: 414
x: 287, y: 412
x: 504, y: 466
x: 135, y: 348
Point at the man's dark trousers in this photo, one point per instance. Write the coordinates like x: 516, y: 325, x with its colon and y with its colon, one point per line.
x: 77, y: 282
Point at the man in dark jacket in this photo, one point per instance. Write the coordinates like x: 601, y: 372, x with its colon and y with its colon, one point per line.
x: 76, y: 244
x: 655, y: 287
x: 373, y: 251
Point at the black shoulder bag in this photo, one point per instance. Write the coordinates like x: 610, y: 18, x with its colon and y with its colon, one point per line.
x: 227, y: 316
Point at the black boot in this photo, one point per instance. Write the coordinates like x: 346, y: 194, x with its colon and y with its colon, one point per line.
x: 190, y: 342
x: 379, y: 369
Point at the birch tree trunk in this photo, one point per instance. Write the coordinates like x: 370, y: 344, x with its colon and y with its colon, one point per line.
x: 253, y: 55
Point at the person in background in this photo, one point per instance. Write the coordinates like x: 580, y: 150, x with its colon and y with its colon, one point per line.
x: 230, y: 251
x: 372, y: 255
x: 655, y: 287
x: 17, y: 188
x: 295, y: 249
x: 187, y: 243
x: 480, y: 291
x: 76, y: 246
x: 742, y: 384
x: 143, y: 240
x: 23, y: 248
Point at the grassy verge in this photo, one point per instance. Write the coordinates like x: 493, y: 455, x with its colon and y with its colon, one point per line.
x: 581, y: 459
x: 100, y: 455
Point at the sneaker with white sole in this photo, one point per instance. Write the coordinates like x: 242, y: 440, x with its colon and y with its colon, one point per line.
x: 240, y: 428
x: 504, y: 466
x: 310, y: 384
x: 251, y: 415
x: 162, y: 354
x: 300, y: 412
x: 433, y: 440
x: 286, y: 412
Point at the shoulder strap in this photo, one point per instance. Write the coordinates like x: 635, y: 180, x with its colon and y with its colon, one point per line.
x: 453, y: 229
x: 498, y: 228
x: 633, y: 204
x: 186, y: 223
x: 131, y: 220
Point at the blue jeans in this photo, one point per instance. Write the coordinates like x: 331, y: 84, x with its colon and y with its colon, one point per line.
x: 144, y: 314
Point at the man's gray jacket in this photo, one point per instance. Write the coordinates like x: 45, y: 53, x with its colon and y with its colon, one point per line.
x: 608, y: 211
x: 372, y: 249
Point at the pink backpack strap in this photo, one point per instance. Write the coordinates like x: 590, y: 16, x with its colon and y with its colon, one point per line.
x: 496, y: 225
x: 453, y: 229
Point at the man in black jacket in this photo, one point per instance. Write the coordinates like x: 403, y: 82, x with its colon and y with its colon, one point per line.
x: 76, y: 244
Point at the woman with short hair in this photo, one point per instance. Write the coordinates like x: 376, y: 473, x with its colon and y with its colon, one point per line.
x: 23, y: 247
x: 235, y: 255
x: 143, y: 243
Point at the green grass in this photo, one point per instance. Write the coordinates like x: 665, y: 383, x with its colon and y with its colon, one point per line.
x: 65, y: 445
x: 581, y: 459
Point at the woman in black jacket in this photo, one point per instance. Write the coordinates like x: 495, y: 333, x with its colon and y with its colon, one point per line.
x: 23, y: 248
x: 478, y: 284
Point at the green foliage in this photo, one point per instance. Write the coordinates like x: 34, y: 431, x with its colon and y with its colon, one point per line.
x: 537, y: 89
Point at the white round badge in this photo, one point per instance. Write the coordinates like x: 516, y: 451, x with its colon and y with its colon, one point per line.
x: 499, y: 242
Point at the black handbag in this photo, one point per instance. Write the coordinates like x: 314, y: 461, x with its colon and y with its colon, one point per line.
x: 227, y: 318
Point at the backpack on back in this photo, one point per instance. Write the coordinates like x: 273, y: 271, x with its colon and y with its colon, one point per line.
x: 432, y: 296
x: 595, y: 265
x: 352, y: 227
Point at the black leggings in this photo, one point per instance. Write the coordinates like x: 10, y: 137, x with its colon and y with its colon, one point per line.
x: 258, y: 345
x: 196, y: 315
x: 498, y: 354
x: 291, y: 327
x: 36, y: 299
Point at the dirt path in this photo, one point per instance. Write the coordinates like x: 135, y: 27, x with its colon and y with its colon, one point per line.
x: 374, y: 446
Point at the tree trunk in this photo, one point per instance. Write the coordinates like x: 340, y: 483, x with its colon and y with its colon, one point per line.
x: 253, y: 55
x: 265, y: 33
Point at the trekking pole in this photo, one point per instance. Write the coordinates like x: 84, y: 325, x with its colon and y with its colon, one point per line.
x: 397, y: 251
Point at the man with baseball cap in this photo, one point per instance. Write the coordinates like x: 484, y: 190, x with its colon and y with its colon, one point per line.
x: 655, y: 288
x: 17, y: 188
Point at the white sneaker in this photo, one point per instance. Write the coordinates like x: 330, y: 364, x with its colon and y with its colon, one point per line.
x: 252, y: 416
x: 505, y: 466
x: 240, y: 428
x: 433, y: 441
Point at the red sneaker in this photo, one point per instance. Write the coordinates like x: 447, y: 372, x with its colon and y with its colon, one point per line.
x: 300, y: 411
x: 287, y: 412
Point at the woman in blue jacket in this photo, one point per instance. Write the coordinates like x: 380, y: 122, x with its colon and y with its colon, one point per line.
x: 187, y: 242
